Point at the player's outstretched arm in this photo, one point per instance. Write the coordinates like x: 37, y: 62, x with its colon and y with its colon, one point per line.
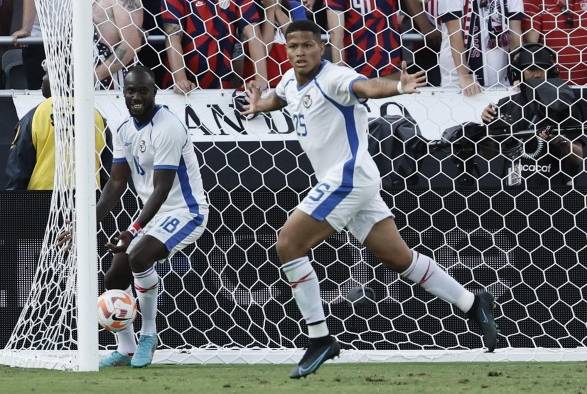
x: 257, y: 104
x: 384, y: 87
x: 113, y: 189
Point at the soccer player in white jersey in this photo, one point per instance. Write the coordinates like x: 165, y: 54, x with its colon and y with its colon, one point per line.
x: 153, y: 147
x: 325, y: 102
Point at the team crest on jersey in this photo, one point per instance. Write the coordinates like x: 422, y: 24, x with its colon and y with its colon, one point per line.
x: 142, y: 146
x: 307, y: 101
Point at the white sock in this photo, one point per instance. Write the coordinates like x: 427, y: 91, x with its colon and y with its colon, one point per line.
x: 426, y: 272
x: 126, y: 338
x: 147, y: 287
x: 306, y: 291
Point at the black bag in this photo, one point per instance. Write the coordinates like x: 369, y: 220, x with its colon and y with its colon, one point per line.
x: 396, y: 143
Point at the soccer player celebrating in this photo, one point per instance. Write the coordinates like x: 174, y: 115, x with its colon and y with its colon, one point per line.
x: 325, y: 102
x: 153, y: 147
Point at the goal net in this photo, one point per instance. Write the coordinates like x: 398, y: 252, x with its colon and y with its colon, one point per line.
x: 500, y: 209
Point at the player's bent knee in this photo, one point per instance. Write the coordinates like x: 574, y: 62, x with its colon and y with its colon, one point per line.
x: 138, y: 263
x: 289, y: 248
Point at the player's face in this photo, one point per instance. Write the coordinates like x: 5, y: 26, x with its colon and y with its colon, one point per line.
x: 304, y: 52
x: 139, y: 94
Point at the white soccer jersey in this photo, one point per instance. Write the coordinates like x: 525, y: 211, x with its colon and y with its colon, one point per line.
x: 331, y: 125
x: 161, y: 143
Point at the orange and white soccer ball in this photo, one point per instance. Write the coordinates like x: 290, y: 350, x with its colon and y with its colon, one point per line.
x: 116, y: 310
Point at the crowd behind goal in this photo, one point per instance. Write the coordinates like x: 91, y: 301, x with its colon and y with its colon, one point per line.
x: 222, y: 44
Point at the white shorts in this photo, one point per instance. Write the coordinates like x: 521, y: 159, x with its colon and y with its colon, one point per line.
x: 175, y: 229
x: 357, y: 208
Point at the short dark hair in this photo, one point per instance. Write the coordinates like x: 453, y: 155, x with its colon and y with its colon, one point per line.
x: 304, y: 25
x: 139, y: 68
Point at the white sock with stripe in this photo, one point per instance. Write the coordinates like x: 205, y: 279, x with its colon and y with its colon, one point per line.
x: 126, y: 338
x: 306, y: 291
x: 426, y: 272
x: 147, y: 287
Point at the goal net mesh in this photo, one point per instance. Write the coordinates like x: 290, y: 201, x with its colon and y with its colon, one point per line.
x: 48, y: 319
x: 498, y: 210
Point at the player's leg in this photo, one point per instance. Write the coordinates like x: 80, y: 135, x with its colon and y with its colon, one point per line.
x: 142, y: 260
x: 119, y: 276
x: 164, y: 235
x: 385, y: 241
x: 300, y: 233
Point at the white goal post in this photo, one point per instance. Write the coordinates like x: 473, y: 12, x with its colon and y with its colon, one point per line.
x: 65, y: 334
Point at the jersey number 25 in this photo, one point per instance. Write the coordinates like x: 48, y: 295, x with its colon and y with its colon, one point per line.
x: 300, y: 124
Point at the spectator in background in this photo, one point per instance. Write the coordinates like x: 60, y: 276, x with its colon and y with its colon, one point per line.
x: 31, y: 161
x: 278, y: 14
x: 32, y: 55
x: 201, y: 39
x: 364, y: 34
x: 477, y: 38
x: 149, y: 55
x: 561, y: 26
x: 118, y: 35
x: 423, y: 17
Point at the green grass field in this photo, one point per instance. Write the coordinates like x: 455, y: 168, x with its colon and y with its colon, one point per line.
x: 551, y: 378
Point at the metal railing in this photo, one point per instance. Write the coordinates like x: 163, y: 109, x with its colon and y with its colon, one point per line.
x: 160, y: 39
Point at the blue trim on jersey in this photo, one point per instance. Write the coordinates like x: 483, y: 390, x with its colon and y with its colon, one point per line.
x: 361, y: 100
x: 186, y: 188
x: 348, y: 171
x: 118, y: 160
x: 184, y: 232
x: 146, y: 122
x: 166, y: 167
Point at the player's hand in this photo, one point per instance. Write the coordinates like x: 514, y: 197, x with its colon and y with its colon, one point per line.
x: 240, y: 100
x: 411, y: 82
x: 22, y: 33
x: 253, y: 93
x: 545, y: 135
x: 122, y: 242
x: 469, y: 87
x: 183, y: 86
x: 489, y: 113
x: 64, y: 237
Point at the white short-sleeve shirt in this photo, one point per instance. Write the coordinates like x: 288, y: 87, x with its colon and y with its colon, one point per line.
x: 162, y: 143
x: 331, y: 124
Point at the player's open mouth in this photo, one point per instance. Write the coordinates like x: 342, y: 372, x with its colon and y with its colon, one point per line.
x: 137, y: 107
x: 301, y: 63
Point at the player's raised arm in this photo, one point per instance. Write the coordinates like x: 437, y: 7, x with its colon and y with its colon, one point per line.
x: 384, y: 87
x: 257, y: 104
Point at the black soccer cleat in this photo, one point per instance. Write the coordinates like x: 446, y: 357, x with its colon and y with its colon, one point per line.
x: 482, y: 313
x: 319, y: 350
